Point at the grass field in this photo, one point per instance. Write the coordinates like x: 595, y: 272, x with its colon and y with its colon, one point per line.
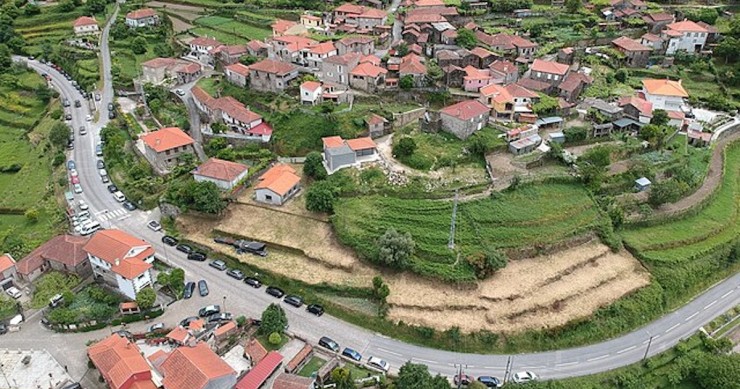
x: 234, y: 27
x: 50, y: 26
x: 532, y: 216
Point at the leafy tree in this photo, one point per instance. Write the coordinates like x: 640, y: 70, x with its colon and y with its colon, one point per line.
x: 402, y: 49
x: 729, y: 49
x: 572, y: 6
x: 241, y: 321
x: 5, y: 58
x: 31, y: 9
x: 592, y: 166
x: 163, y: 50
x: 146, y: 298
x: 667, y: 191
x: 417, y: 376
x: 545, y: 105
x: 406, y: 82
x: 139, y: 45
x: 320, y: 197
x: 509, y: 5
x: 59, y: 135
x: 248, y: 59
x: 621, y: 75
x: 653, y: 134
x: 342, y: 377
x: 66, y: 6
x: 200, y: 196
x: 575, y: 134
x: 274, y: 338
x: 734, y: 30
x: 395, y: 248
x: 434, y: 71
x: 32, y: 214
x: 95, y: 6
x: 405, y: 147
x: 313, y: 166
x: 380, y: 288
x: 718, y: 371
x: 466, y: 38
x: 273, y: 320
x: 660, y: 118
x: 706, y: 15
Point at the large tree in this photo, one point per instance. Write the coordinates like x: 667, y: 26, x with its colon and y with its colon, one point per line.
x: 417, y: 376
x: 395, y: 248
x: 273, y: 320
x: 466, y: 38
x: 146, y: 298
x: 320, y: 197
x: 718, y: 371
x: 313, y: 166
x: 59, y: 135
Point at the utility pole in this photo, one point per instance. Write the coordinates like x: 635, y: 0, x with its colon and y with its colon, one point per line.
x: 507, y: 372
x: 4, y: 376
x: 451, y: 243
x: 647, y: 350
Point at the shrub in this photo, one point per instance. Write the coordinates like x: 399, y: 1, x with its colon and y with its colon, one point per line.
x: 320, y: 197
x: 314, y: 166
x: 395, y: 248
x: 274, y: 338
x: 146, y: 298
x: 405, y: 147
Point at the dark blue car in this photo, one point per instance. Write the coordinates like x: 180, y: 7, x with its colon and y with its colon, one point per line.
x: 349, y: 353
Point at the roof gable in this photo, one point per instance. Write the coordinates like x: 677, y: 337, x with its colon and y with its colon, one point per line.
x: 193, y: 367
x: 166, y: 139
x: 466, y: 110
x: 220, y: 169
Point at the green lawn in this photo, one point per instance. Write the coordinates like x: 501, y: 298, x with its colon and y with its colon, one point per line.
x: 273, y: 347
x: 313, y: 365
x: 442, y: 149
x: 51, y: 284
x: 234, y: 27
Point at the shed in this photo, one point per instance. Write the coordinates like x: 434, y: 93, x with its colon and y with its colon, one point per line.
x: 557, y: 137
x: 549, y: 122
x: 625, y: 124
x: 129, y: 308
x: 642, y: 184
x: 525, y: 145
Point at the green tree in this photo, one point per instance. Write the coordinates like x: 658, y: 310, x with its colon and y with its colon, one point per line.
x: 545, y: 105
x: 342, y: 377
x: 395, y: 249
x: 466, y: 38
x: 163, y: 50
x: 402, y: 49
x: 5, y: 58
x: 273, y: 320
x: 95, y: 6
x: 146, y: 298
x: 718, y: 371
x: 66, y: 6
x: 660, y: 118
x: 320, y: 197
x: 248, y: 60
x: 621, y: 75
x: 274, y: 339
x: 477, y: 385
x: 417, y: 376
x: 241, y: 321
x: 44, y: 93
x: 572, y: 6
x: 313, y: 166
x: 667, y: 191
x: 31, y: 9
x: 405, y: 147
x: 406, y: 82
x: 59, y: 135
x: 32, y: 214
x: 139, y: 45
x: 729, y: 49
x: 653, y: 134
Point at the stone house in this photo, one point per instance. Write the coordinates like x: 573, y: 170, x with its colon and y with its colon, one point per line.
x: 225, y: 174
x: 413, y: 65
x: 8, y: 271
x: 653, y: 41
x: 160, y: 70
x: 314, y: 55
x: 257, y: 48
x: 163, y: 147
x: 504, y: 72
x: 229, y: 54
x: 454, y: 76
x: 270, y: 75
x: 237, y: 74
x: 511, y: 45
x: 685, y: 35
x: 483, y: 57
x: 549, y: 72
x: 656, y: 22
x: 364, y: 45
x: 636, y: 108
x: 636, y: 55
x: 290, y: 48
x: 464, y: 118
x: 337, y: 69
x: 376, y: 125
x: 62, y: 253
x: 368, y: 77
x: 573, y: 85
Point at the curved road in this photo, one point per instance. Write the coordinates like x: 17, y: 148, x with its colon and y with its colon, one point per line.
x: 241, y: 299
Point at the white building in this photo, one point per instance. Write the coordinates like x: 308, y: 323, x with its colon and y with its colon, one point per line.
x: 665, y: 94
x: 685, y: 35
x: 277, y: 185
x: 85, y: 25
x: 225, y: 174
x: 310, y: 92
x: 142, y: 18
x: 121, y: 260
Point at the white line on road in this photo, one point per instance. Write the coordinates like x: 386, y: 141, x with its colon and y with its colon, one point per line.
x: 692, y: 316
x: 598, y: 358
x: 424, y: 360
x: 727, y: 294
x: 567, y: 364
x: 710, y: 304
x: 627, y: 349
x: 389, y: 352
x: 491, y: 367
x: 672, y: 328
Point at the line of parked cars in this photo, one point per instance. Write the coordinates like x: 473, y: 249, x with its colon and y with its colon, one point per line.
x: 494, y: 382
x: 373, y: 362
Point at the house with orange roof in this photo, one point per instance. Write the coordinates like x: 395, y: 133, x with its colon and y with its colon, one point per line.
x: 171, y: 70
x: 121, y: 260
x: 359, y: 17
x: 241, y: 122
x: 340, y: 153
x: 336, y: 69
x: 549, y: 72
x: 270, y: 75
x: 254, y: 351
x: 367, y: 77
x: 287, y: 27
x: 85, y: 25
x: 504, y: 72
x: 201, y: 49
x: 62, y: 253
x: 664, y: 94
x: 511, y: 45
x: 376, y: 125
x: 120, y: 363
x: 412, y: 65
x: 257, y: 48
x: 237, y: 74
x: 657, y: 21
x: 163, y: 148
x: 475, y: 79
x: 310, y: 92
x: 143, y: 17
x: 290, y: 48
x: 225, y: 174
x: 196, y: 367
x: 179, y: 336
x: 685, y: 35
x: 464, y: 118
x: 7, y: 270
x: 499, y: 100
x: 636, y: 108
x: 277, y: 185
x: 229, y: 54
x: 364, y: 45
x: 312, y: 22
x: 225, y: 330
x: 314, y: 55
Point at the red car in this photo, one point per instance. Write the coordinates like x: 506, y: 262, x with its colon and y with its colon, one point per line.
x: 75, y: 180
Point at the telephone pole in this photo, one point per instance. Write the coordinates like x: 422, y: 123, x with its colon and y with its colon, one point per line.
x: 451, y: 243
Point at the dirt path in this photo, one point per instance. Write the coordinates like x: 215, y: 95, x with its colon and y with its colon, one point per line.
x: 711, y: 182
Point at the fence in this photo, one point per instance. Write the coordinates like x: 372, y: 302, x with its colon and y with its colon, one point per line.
x: 403, y: 119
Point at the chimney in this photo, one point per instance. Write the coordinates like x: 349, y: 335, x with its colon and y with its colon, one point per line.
x: 117, y: 261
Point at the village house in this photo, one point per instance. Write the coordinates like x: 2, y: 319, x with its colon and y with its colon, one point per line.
x: 431, y: 15
x: 512, y: 45
x: 358, y: 16
x: 364, y: 45
x: 464, y: 118
x: 312, y: 22
x: 261, y: 373
x: 310, y: 92
x: 286, y: 27
x: 635, y: 54
x: 664, y: 94
x: 656, y: 22
x: 195, y: 367
x: 573, y: 85
x: 685, y: 35
x: 237, y: 74
x: 652, y: 41
x: 367, y: 77
x: 340, y: 153
x: 337, y: 69
x: 142, y: 18
x: 453, y: 76
x: 201, y: 47
x: 163, y: 147
x: 121, y: 363
x: 8, y: 271
x: 121, y: 260
x: 171, y: 70
x: 277, y: 185
x: 712, y: 32
x: 62, y: 253
x: 229, y: 54
x: 257, y: 48
x: 523, y: 101
x: 270, y: 75
x: 314, y: 55
x: 483, y: 57
x: 475, y: 79
x: 549, y: 72
x: 376, y: 125
x: 504, y: 72
x: 290, y: 48
x: 240, y: 121
x: 413, y: 66
x: 225, y: 174
x: 499, y: 100
x: 636, y: 108
x: 566, y: 55
x: 458, y: 57
x: 85, y: 25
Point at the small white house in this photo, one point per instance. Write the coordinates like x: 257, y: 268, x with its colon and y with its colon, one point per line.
x: 121, y: 260
x: 142, y: 18
x: 664, y: 94
x: 225, y: 174
x: 310, y: 92
x: 85, y: 25
x: 277, y: 185
x: 685, y: 35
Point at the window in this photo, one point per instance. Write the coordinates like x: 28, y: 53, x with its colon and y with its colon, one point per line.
x: 539, y: 74
x: 268, y: 197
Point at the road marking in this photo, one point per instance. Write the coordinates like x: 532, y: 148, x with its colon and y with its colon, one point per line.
x: 598, y: 358
x: 424, y: 360
x: 389, y: 352
x: 124, y: 217
x: 727, y: 294
x: 692, y: 316
x: 627, y: 349
x: 673, y: 327
x: 491, y: 367
x: 567, y: 364
x: 710, y: 304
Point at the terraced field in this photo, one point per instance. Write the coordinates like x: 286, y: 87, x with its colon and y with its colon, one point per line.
x: 50, y: 26
x: 228, y: 30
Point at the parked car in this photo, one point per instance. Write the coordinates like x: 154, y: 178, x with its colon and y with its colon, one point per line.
x: 189, y: 289
x: 275, y: 291
x: 102, y: 172
x: 112, y: 188
x: 110, y: 107
x: 462, y: 379
x: 180, y: 92
x: 68, y: 116
x: 3, y: 329
x: 73, y: 173
x: 209, y: 310
x: 255, y: 248
x: 156, y: 327
x: 378, y: 364
x: 218, y: 264
x: 105, y: 179
x: 129, y: 205
x: 88, y: 118
x: 154, y: 225
x: 77, y: 188
x: 83, y: 205
x: 523, y: 376
x: 65, y: 102
x: 219, y: 317
x: 119, y: 196
x: 111, y: 115
x: 294, y: 300
x: 100, y: 164
x: 197, y: 256
x: 71, y: 145
x: 83, y: 130
x: 235, y: 273
x: 316, y: 309
x: 14, y: 292
x: 74, y: 180
x: 184, y: 248
x: 253, y: 282
x: 99, y: 150
x: 203, y: 288
x: 186, y: 321
x: 352, y: 354
x: 78, y: 104
x: 490, y: 381
x: 169, y: 241
x: 97, y: 97
x: 329, y: 344
x: 71, y: 165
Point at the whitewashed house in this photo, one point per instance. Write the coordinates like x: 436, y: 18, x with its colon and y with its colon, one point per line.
x: 121, y: 260
x: 225, y: 174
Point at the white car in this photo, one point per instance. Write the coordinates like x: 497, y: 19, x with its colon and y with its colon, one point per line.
x: 378, y: 364
x: 154, y: 225
x: 180, y: 92
x: 103, y: 172
x: 78, y: 188
x: 524, y: 376
x: 88, y: 118
x: 83, y: 205
x: 14, y: 292
x: 73, y: 173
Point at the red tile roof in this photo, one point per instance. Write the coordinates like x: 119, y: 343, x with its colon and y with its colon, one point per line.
x: 193, y: 367
x: 710, y: 28
x: 116, y: 245
x: 65, y: 249
x: 664, y: 88
x: 651, y: 37
x: 574, y: 80
x: 481, y: 52
x: 292, y: 381
x: 473, y: 73
x: 504, y: 41
x: 273, y: 67
x: 465, y: 110
x: 678, y: 115
x: 260, y: 373
x: 532, y: 85
x: 332, y: 141
x: 361, y: 143
x: 375, y: 119
x: 349, y: 8
x: 220, y: 169
x: 239, y: 68
x: 373, y: 13
x: 6, y: 262
x: 280, y: 25
x: 299, y: 358
x: 659, y: 17
x: 141, y: 14
x: 429, y: 3
x: 224, y: 329
x: 234, y: 108
x: 412, y: 64
x: 160, y: 62
x: 166, y: 139
x: 643, y: 106
x: 630, y: 44
x: 504, y: 66
x: 368, y: 70
x: 205, y: 41
x: 311, y: 86
x: 279, y: 179
x: 120, y: 362
x: 295, y: 43
x: 255, y: 350
x: 344, y: 59
x: 322, y: 48
x: 257, y: 45
x: 686, y: 26
x: 551, y: 67
x: 85, y: 21
x: 260, y: 129
x: 498, y: 92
